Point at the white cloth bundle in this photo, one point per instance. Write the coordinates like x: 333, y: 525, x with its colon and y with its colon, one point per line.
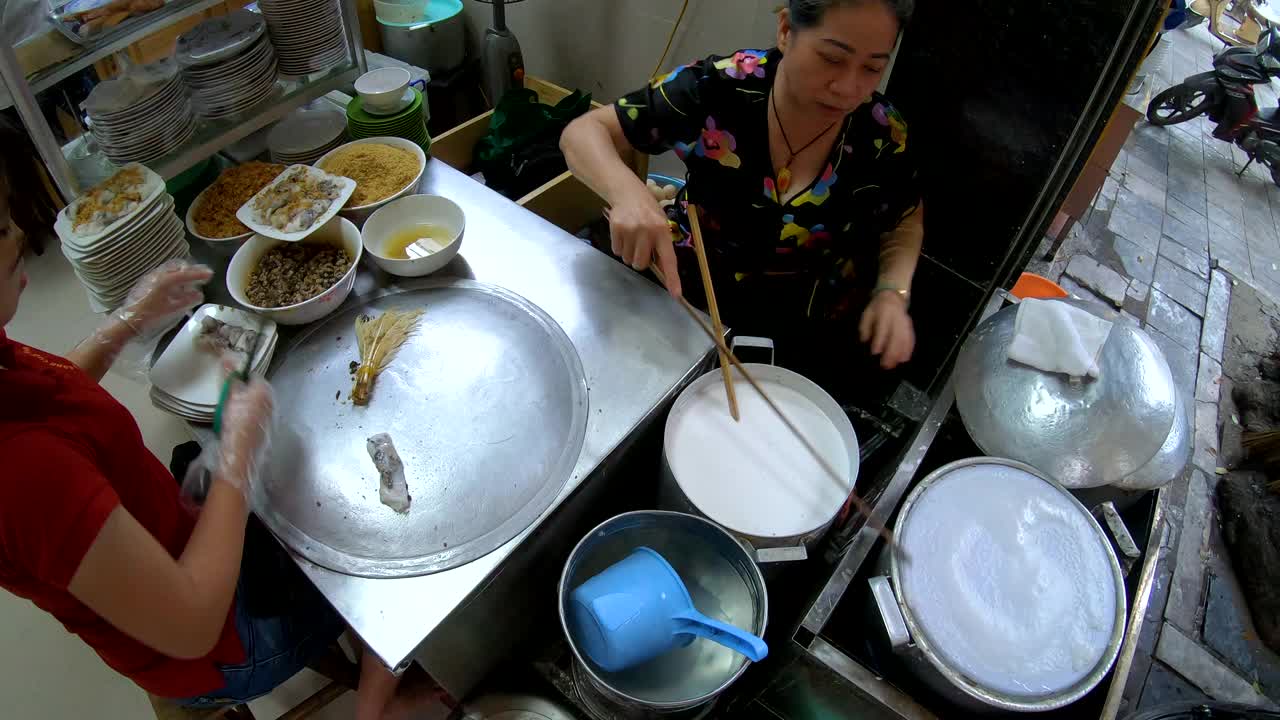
x: 1053, y: 336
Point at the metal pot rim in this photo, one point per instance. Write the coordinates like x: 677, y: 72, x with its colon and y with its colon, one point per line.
x: 843, y: 426
x: 562, y: 592
x: 957, y: 678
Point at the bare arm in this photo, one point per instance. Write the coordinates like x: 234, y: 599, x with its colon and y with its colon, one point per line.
x: 179, y: 607
x: 598, y: 154
x: 159, y: 299
x: 900, y: 251
x: 885, y: 323
x: 95, y: 354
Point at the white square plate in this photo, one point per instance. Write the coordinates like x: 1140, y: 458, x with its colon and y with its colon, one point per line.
x: 247, y: 215
x: 160, y: 397
x: 152, y: 188
x: 194, y: 376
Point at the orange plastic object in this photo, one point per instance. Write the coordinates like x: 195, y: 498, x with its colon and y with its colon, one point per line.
x: 1030, y: 285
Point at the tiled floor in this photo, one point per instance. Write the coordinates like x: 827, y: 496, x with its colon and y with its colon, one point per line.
x: 50, y: 674
x: 1182, y: 219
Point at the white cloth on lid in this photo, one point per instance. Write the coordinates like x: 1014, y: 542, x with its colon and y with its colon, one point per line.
x: 1053, y: 336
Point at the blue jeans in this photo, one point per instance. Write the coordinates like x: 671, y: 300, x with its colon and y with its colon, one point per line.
x: 275, y: 649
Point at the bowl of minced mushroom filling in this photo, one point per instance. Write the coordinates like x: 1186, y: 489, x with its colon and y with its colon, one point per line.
x: 383, y: 168
x: 212, y: 215
x: 297, y: 282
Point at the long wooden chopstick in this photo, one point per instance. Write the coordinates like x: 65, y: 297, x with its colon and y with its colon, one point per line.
x: 712, y: 308
x: 858, y: 502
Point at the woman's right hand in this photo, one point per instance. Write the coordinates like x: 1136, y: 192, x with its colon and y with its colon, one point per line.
x: 246, y: 428
x: 640, y: 230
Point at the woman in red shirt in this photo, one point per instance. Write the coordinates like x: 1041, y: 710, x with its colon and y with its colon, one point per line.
x: 92, y: 528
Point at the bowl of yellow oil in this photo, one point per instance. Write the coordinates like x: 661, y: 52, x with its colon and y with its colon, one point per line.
x: 414, y: 235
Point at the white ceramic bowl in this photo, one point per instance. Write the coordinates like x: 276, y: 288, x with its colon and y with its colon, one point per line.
x: 338, y: 231
x: 381, y: 89
x: 413, y: 210
x: 222, y: 246
x: 359, y: 214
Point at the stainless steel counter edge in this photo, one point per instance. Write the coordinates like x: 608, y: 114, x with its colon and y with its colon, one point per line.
x: 637, y: 348
x: 1138, y: 613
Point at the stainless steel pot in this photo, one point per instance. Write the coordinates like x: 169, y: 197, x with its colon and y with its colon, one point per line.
x: 724, y: 582
x: 1081, y: 432
x: 675, y: 493
x: 911, y: 643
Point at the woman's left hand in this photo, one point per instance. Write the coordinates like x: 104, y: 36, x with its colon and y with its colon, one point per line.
x: 163, y: 296
x: 887, y: 326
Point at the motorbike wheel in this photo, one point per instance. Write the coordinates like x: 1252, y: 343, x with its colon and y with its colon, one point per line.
x: 1176, y: 105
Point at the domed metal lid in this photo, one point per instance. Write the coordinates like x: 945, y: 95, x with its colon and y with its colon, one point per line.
x: 1081, y: 432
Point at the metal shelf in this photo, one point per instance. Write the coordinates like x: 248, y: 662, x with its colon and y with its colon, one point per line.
x: 210, y: 135
x: 117, y: 39
x: 213, y: 135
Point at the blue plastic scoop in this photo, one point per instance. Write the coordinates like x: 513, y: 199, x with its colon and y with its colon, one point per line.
x: 638, y: 609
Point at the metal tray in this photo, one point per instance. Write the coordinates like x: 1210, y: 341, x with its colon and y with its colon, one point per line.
x: 486, y: 403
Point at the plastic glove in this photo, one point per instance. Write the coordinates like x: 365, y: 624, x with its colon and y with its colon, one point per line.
x: 237, y: 455
x: 246, y: 434
x: 162, y: 297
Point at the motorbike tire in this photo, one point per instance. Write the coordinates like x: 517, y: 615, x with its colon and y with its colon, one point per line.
x: 1186, y: 103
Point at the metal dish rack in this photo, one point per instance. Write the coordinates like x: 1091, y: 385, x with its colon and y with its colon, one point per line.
x: 210, y: 135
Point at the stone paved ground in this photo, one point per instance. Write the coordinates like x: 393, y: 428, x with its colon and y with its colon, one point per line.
x: 1174, y: 229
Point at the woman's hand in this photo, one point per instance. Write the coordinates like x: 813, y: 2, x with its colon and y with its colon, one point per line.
x: 639, y: 229
x: 155, y: 302
x: 162, y: 296
x: 246, y: 428
x: 887, y: 326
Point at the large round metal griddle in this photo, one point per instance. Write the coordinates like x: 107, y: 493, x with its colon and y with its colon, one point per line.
x: 486, y: 404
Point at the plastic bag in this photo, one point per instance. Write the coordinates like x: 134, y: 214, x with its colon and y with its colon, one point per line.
x: 236, y: 457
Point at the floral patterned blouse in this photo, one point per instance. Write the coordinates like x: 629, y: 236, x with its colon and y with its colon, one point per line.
x: 811, y: 257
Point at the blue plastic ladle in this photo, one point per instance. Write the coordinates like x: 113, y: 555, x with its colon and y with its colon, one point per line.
x: 638, y: 609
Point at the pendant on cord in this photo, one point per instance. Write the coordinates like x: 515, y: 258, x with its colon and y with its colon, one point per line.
x: 784, y: 180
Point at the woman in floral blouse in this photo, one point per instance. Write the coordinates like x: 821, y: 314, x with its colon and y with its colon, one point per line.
x: 800, y: 170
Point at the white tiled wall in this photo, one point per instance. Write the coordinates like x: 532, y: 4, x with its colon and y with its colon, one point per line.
x: 610, y: 46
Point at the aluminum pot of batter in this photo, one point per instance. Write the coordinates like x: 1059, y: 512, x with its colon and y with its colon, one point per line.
x: 1003, y: 593
x: 724, y: 582
x: 752, y: 476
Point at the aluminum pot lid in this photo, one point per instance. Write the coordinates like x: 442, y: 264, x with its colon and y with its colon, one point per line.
x: 1170, y: 460
x: 1081, y: 432
x: 1011, y: 584
x: 753, y: 476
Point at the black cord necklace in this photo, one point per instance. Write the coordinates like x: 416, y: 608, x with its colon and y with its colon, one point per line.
x: 784, y: 175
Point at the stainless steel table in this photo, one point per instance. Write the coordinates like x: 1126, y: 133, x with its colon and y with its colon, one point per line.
x: 638, y: 349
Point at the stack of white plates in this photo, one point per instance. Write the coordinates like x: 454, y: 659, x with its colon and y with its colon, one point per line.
x: 306, y: 135
x: 110, y: 261
x: 228, y: 64
x: 141, y: 115
x: 308, y: 34
x: 187, y: 378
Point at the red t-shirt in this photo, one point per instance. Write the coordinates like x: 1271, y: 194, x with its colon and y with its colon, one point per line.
x: 69, y: 455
